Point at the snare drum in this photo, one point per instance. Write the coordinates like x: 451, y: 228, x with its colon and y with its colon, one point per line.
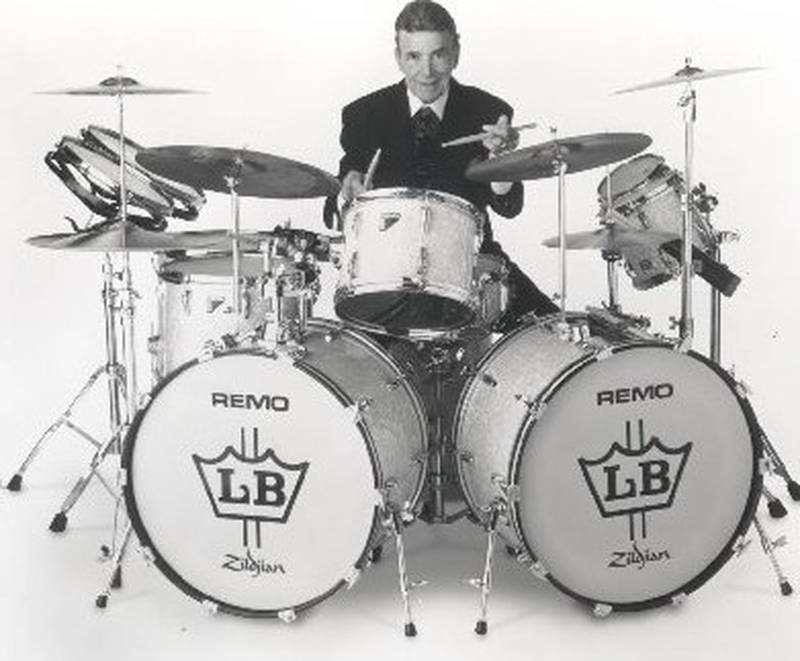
x: 408, y: 266
x: 625, y: 469
x: 256, y: 480
x: 646, y: 194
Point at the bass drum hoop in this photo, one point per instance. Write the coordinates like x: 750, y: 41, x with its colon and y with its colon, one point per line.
x: 146, y: 541
x: 727, y: 550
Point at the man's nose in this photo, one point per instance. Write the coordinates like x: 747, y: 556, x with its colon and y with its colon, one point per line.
x: 426, y: 67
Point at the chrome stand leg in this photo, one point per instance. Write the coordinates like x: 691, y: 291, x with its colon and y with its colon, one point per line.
x: 394, y: 521
x: 780, y: 469
x: 769, y: 547
x: 115, y: 573
x: 15, y: 483
x: 774, y: 505
x: 59, y: 522
x: 484, y: 583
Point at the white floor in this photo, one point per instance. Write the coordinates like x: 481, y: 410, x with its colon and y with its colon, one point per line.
x: 49, y: 583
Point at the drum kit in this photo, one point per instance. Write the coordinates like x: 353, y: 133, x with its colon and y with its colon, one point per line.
x: 618, y: 464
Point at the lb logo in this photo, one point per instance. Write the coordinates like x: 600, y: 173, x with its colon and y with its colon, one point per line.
x: 260, y: 488
x: 627, y: 481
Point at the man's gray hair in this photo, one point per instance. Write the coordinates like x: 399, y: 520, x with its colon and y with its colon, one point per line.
x: 425, y: 16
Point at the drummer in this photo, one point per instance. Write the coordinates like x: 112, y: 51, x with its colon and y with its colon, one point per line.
x: 410, y: 120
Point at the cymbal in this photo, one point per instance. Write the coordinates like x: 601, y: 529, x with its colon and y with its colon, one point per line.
x: 582, y: 152
x: 128, y: 237
x: 117, y: 85
x: 611, y: 239
x: 688, y: 74
x: 258, y: 174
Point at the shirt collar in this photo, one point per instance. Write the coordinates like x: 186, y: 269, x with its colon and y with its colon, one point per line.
x: 414, y: 104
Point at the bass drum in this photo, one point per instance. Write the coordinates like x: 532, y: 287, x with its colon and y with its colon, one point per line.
x: 626, y: 469
x: 256, y: 480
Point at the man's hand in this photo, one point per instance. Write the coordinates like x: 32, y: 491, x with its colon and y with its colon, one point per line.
x: 352, y: 185
x: 504, y: 137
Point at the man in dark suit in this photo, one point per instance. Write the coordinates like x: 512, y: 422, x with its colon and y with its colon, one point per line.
x: 409, y: 122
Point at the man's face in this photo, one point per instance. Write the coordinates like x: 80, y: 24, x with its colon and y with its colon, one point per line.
x: 427, y: 60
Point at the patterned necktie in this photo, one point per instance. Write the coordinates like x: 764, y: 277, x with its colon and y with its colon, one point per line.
x: 427, y: 144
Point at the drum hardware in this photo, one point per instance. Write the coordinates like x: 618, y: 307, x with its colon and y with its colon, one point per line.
x: 116, y: 321
x: 484, y: 583
x: 776, y: 508
x: 394, y: 520
x: 768, y: 546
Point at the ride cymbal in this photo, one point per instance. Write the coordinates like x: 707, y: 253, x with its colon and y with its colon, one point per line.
x: 254, y: 174
x: 582, y: 152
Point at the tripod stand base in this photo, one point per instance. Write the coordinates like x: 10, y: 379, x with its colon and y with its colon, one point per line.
x: 101, y: 601
x: 15, y: 483
x: 791, y: 486
x: 59, y: 523
x: 786, y: 588
x: 481, y: 627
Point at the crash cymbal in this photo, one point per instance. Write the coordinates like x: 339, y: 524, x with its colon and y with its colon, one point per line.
x: 612, y: 239
x: 118, y: 85
x: 688, y: 74
x: 257, y: 174
x: 582, y: 152
x: 128, y: 237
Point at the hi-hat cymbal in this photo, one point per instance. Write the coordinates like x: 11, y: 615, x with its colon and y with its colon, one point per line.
x: 256, y: 174
x: 611, y: 239
x: 128, y: 237
x: 582, y: 152
x: 688, y: 74
x: 117, y: 85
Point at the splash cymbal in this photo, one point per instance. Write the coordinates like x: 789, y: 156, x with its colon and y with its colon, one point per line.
x: 118, y: 85
x: 688, y: 74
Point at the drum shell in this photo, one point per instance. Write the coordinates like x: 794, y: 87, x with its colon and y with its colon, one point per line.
x: 196, y: 307
x: 353, y: 371
x: 414, y: 245
x: 500, y: 455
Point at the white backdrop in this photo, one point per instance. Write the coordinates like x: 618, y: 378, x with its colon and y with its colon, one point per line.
x: 274, y: 77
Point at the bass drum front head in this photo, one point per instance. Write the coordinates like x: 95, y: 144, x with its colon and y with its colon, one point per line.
x: 251, y: 484
x: 638, y: 477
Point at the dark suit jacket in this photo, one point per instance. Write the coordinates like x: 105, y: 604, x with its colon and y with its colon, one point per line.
x: 381, y: 119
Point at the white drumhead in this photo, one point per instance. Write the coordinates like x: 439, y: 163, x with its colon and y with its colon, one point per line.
x: 252, y: 483
x: 637, y: 477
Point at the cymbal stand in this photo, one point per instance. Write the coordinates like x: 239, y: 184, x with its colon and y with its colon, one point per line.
x: 688, y: 102
x: 233, y: 180
x: 612, y: 276
x: 115, y: 372
x: 560, y: 168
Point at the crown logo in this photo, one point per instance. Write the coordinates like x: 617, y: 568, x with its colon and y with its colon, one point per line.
x: 626, y: 481
x: 260, y: 488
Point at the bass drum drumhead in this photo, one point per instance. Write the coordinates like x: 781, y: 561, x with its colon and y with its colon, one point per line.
x: 638, y: 477
x: 254, y: 480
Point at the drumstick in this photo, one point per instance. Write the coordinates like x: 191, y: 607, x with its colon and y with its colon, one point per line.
x: 480, y: 137
x: 373, y: 165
